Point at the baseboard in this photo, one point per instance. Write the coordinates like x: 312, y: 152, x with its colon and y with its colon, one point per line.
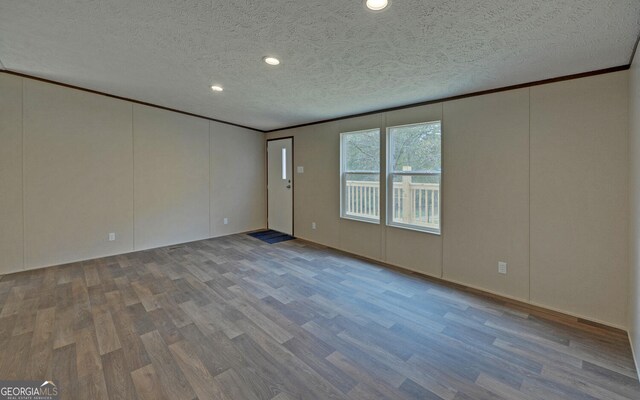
x: 489, y: 292
x: 97, y: 257
x: 633, y: 354
x: 578, y: 320
x: 582, y: 317
x: 572, y: 318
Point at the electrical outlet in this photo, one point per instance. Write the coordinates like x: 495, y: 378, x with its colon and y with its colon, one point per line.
x: 502, y: 267
x: 226, y: 221
x: 112, y: 237
x: 313, y: 225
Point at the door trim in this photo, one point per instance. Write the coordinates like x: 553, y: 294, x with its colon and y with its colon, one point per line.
x: 293, y: 180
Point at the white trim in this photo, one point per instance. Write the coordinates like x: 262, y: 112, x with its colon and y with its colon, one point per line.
x: 361, y: 219
x: 419, y: 173
x: 354, y: 172
x: 416, y: 228
x: 389, y: 181
x: 439, y: 121
x: 343, y: 180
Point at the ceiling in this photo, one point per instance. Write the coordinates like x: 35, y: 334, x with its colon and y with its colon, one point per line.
x: 338, y: 58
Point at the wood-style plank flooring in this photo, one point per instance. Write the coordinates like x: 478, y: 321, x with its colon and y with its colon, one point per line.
x: 235, y: 318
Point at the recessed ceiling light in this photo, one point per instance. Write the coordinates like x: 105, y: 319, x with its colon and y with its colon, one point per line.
x: 376, y: 5
x: 271, y: 60
x: 217, y: 88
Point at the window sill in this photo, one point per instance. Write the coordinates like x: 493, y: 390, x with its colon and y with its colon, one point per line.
x: 415, y: 229
x: 365, y: 220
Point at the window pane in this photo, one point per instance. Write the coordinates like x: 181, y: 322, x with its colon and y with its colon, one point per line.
x: 415, y: 200
x: 284, y: 163
x: 361, y: 196
x: 415, y: 147
x: 361, y: 151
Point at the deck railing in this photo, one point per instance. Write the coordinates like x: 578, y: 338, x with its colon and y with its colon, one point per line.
x: 413, y: 203
x: 363, y: 199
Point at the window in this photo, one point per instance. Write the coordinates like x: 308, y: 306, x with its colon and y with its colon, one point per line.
x: 414, y: 169
x: 360, y: 175
x: 284, y: 163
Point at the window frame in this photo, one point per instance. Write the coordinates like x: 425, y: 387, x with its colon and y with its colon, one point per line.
x: 343, y: 181
x: 390, y: 174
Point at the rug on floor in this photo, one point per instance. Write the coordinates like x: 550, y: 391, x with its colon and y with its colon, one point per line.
x: 270, y: 236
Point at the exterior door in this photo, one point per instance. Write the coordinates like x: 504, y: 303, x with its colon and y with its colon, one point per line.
x: 280, y: 185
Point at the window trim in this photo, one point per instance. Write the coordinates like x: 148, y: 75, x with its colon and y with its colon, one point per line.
x: 390, y: 174
x: 343, y: 181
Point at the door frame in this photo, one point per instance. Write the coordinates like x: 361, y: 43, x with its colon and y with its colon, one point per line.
x: 293, y: 180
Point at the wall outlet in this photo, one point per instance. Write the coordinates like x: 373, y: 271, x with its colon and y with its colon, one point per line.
x: 226, y: 221
x: 313, y: 225
x: 112, y: 237
x: 502, y: 267
x: 300, y: 170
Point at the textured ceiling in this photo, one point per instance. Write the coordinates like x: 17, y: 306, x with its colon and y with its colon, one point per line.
x: 337, y: 57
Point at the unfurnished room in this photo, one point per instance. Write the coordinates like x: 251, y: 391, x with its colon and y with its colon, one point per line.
x: 310, y: 200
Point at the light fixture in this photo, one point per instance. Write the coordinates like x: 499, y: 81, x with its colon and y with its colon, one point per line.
x: 271, y: 60
x: 217, y: 88
x: 376, y: 5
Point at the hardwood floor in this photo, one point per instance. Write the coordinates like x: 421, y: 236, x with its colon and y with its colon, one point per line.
x: 235, y: 318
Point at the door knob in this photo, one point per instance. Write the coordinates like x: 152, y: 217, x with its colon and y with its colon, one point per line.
x: 288, y: 186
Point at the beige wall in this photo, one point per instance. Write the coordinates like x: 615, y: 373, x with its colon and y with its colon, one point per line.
x: 579, y: 258
x: 486, y: 192
x: 80, y: 152
x: 534, y: 149
x: 237, y: 179
x: 171, y: 177
x: 77, y: 175
x: 356, y: 237
x: 634, y: 202
x: 416, y: 251
x: 318, y: 185
x: 11, y: 234
x: 504, y: 156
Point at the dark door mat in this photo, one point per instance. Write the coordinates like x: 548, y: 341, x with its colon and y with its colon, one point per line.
x: 271, y: 236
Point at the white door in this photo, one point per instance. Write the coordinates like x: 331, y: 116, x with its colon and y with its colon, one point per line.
x: 280, y: 185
